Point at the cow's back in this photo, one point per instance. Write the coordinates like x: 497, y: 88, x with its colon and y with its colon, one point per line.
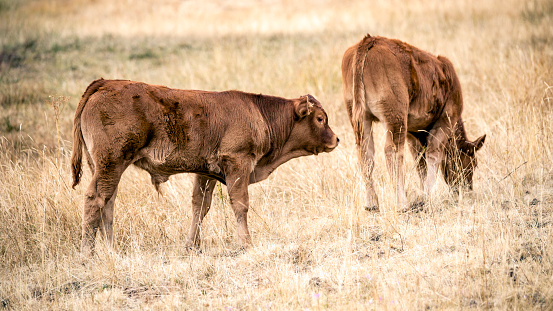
x: 167, y: 131
x: 112, y: 123
x: 399, y: 71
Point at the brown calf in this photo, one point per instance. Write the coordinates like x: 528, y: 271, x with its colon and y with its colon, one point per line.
x: 417, y: 96
x: 233, y: 137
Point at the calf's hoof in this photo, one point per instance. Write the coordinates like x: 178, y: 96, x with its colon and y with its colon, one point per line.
x: 372, y: 208
x: 414, y: 207
x: 87, y: 250
x: 195, y: 245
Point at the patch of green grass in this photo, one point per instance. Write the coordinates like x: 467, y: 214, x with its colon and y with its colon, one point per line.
x: 8, y: 126
x: 13, y: 56
x: 536, y: 11
x: 10, y: 5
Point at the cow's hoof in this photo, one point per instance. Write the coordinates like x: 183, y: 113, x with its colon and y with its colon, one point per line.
x: 189, y: 250
x: 83, y: 259
x: 192, y: 248
x: 373, y: 208
x: 243, y: 249
x: 86, y: 252
x: 414, y: 208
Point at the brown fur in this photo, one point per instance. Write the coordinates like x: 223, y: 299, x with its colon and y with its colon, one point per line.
x: 417, y: 96
x: 233, y: 137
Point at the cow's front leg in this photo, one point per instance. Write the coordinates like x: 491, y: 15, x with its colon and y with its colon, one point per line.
x: 239, y: 201
x: 434, y: 156
x: 237, y: 177
x: 202, y: 195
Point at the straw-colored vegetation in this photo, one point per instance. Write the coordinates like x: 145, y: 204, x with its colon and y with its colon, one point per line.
x: 314, y: 246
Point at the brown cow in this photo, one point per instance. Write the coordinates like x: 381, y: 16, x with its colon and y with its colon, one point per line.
x: 234, y: 137
x: 417, y: 96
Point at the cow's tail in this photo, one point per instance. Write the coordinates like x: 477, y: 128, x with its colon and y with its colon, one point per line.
x: 359, y: 106
x: 78, y: 141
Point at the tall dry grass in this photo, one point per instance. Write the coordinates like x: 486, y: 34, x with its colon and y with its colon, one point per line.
x: 315, y: 248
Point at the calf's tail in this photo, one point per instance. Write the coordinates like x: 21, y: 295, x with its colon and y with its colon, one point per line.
x: 78, y: 141
x: 359, y: 105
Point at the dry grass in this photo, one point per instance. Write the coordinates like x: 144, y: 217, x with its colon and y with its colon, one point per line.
x: 315, y: 247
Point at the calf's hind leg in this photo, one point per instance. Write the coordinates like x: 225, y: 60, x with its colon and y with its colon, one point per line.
x: 98, y: 208
x: 394, y: 150
x: 106, y: 227
x: 366, y: 162
x: 417, y: 150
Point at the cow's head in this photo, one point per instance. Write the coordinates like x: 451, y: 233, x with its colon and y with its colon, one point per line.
x: 311, y: 132
x: 460, y: 162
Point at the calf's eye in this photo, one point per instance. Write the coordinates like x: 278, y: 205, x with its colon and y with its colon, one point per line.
x: 320, y: 119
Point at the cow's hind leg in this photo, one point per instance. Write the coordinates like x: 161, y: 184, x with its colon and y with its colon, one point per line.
x: 418, y: 152
x: 98, y: 205
x: 394, y: 150
x: 366, y: 162
x: 201, y: 202
x: 106, y: 227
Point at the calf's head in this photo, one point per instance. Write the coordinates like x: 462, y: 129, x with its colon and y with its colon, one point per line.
x: 460, y: 162
x: 311, y: 132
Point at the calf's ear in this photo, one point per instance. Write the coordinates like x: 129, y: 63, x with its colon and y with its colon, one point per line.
x: 478, y: 143
x: 303, y: 106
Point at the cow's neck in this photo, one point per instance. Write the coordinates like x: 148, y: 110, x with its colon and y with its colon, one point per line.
x: 280, y: 118
x: 460, y: 133
x: 458, y: 140
x: 268, y: 164
x: 278, y: 115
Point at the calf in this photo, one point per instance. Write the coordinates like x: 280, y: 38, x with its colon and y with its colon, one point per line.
x: 418, y: 97
x: 234, y: 137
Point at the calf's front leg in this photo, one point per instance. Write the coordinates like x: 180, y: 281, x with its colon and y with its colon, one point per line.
x: 239, y: 201
x: 237, y: 178
x: 202, y: 195
x: 434, y: 157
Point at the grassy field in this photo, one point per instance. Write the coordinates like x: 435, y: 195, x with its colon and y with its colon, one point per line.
x: 314, y: 246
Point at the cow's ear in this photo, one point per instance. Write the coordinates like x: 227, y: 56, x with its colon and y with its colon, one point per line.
x: 303, y: 106
x: 478, y: 143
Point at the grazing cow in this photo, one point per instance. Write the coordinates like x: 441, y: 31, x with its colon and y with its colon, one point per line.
x: 234, y: 137
x: 417, y: 96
